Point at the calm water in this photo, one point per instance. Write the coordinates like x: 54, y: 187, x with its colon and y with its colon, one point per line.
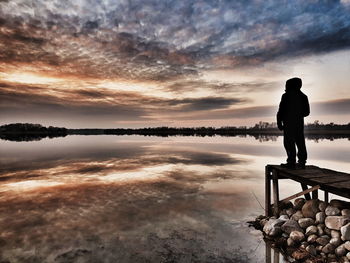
x: 140, y: 199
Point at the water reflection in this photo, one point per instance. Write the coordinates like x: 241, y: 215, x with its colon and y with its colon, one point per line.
x: 135, y: 199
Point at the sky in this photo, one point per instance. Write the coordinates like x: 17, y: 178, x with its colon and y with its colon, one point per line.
x: 146, y: 63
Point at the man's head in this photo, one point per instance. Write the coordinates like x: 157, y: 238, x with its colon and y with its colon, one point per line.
x: 293, y: 84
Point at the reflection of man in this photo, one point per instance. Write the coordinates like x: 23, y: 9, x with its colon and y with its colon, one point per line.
x: 294, y: 106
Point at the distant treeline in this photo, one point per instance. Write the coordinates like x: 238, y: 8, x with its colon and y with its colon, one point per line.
x: 26, y: 131
x: 29, y: 132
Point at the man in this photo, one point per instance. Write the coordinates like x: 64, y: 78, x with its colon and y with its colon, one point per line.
x: 294, y: 106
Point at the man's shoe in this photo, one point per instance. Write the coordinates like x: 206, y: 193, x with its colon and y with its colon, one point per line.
x: 288, y: 165
x: 301, y: 165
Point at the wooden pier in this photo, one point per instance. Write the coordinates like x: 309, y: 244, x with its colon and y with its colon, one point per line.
x: 317, y: 178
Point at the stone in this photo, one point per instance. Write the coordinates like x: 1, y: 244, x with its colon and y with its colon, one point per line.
x: 332, y: 211
x: 306, y: 222
x: 312, y: 238
x: 300, y: 255
x: 273, y: 227
x: 329, y: 248
x: 297, y: 236
x: 311, y: 249
x: 340, y: 251
x: 298, y: 203
x: 290, y: 226
x: 347, y: 245
x: 319, y: 248
x: 320, y: 217
x: 284, y: 217
x: 323, y: 240
x: 340, y: 204
x: 320, y: 229
x: 310, y: 208
x: 290, y: 211
x: 336, y: 222
x: 286, y: 205
x: 327, y: 231
x: 322, y: 206
x: 297, y: 215
x: 348, y: 255
x: 335, y: 233
x: 311, y: 230
x: 290, y: 242
x: 336, y: 241
x: 345, y: 212
x: 345, y: 232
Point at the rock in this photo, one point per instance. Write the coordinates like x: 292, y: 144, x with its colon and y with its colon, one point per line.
x: 297, y: 236
x: 327, y: 231
x: 336, y: 241
x: 286, y: 205
x: 311, y: 249
x: 319, y: 248
x: 284, y: 217
x: 290, y: 242
x: 263, y: 222
x: 347, y: 245
x: 339, y: 204
x: 305, y: 222
x: 323, y: 240
x: 290, y: 211
x: 300, y: 255
x: 290, y: 226
x: 273, y: 227
x: 329, y: 248
x: 322, y: 206
x: 297, y: 215
x: 310, y: 208
x: 298, y: 203
x: 312, y: 238
x: 311, y: 230
x: 320, y: 229
x: 340, y: 251
x: 345, y: 232
x: 345, y: 212
x: 348, y: 255
x: 332, y: 211
x: 336, y: 222
x: 335, y: 233
x: 320, y: 217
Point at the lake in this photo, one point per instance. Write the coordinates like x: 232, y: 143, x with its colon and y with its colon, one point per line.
x: 141, y: 199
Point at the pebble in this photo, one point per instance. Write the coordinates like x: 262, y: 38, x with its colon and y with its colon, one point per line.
x: 329, y: 248
x: 340, y: 251
x: 297, y: 215
x: 297, y: 236
x: 332, y: 211
x: 306, y: 222
x: 335, y: 233
x: 290, y: 226
x: 345, y: 232
x: 312, y: 238
x: 323, y: 240
x: 320, y: 217
x: 311, y: 230
x: 322, y: 206
x: 345, y: 212
x: 336, y: 222
x: 310, y: 208
x: 336, y: 241
x: 311, y: 249
x: 347, y: 245
x: 298, y: 203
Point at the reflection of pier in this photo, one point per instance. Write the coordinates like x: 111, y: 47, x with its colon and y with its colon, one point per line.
x: 318, y: 178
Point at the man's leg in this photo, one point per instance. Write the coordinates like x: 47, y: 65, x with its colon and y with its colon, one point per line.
x: 289, y: 145
x: 300, y: 142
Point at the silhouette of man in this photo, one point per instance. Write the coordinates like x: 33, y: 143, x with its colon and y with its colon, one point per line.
x: 294, y: 106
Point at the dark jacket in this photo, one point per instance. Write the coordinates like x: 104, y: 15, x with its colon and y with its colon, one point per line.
x: 294, y: 106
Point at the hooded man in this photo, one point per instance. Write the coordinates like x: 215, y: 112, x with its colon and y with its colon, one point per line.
x: 294, y: 106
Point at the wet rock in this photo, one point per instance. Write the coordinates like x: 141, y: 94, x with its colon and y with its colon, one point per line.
x: 310, y: 208
x: 329, y: 248
x: 323, y: 240
x: 320, y: 217
x: 290, y: 226
x: 312, y: 238
x: 305, y: 222
x: 297, y: 215
x: 322, y: 206
x: 340, y: 251
x: 311, y: 230
x: 345, y: 212
x: 336, y: 241
x: 273, y: 227
x: 298, y: 203
x: 297, y: 236
x: 347, y: 245
x: 345, y: 232
x: 336, y: 222
x: 312, y: 250
x: 332, y: 211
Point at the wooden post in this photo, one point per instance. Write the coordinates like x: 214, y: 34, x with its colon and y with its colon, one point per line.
x: 326, y: 197
x: 315, y: 194
x: 267, y: 191
x: 267, y: 253
x: 275, y: 192
x: 307, y: 196
x: 276, y: 256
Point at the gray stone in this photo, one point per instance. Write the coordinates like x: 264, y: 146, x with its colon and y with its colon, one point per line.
x: 323, y: 240
x: 336, y: 222
x: 336, y: 241
x: 320, y: 217
x: 322, y: 206
x: 345, y: 212
x: 297, y: 236
x: 332, y: 211
x: 311, y: 230
x: 347, y: 245
x: 290, y: 211
x: 273, y: 227
x: 312, y: 238
x: 328, y: 248
x: 297, y: 215
x: 310, y: 208
x: 305, y: 222
x: 311, y: 249
x: 335, y: 233
x: 298, y: 203
x: 345, y: 232
x: 284, y: 217
x: 340, y: 251
x: 290, y: 242
x: 320, y: 229
x: 290, y: 226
